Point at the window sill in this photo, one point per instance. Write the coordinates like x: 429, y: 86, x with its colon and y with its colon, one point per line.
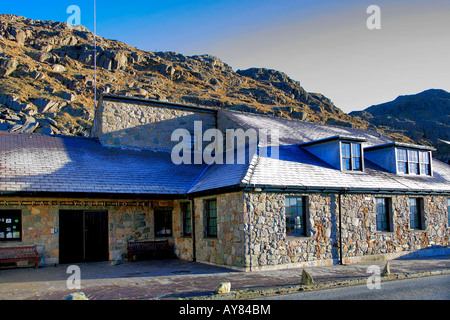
x: 383, y: 232
x: 301, y: 238
x: 414, y: 175
x: 354, y: 171
x: 417, y: 230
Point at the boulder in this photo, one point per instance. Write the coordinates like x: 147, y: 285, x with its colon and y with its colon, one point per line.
x: 386, y: 271
x: 120, y: 61
x: 30, y: 124
x: 58, y: 68
x: 36, y: 75
x: 18, y: 35
x: 76, y: 296
x: 307, y: 279
x: 45, y: 105
x: 223, y: 287
x: 7, y: 66
x: 69, y: 96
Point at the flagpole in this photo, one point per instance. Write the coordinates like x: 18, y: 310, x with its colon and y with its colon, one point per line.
x: 95, y: 57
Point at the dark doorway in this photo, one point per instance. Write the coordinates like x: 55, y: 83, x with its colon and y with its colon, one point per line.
x: 83, y: 236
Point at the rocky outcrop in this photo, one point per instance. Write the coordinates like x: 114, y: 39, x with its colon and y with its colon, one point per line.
x: 424, y: 117
x: 47, y: 72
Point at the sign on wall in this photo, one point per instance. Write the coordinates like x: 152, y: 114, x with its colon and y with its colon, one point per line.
x: 10, y: 225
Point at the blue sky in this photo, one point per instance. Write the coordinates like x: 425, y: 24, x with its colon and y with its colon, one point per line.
x: 325, y: 45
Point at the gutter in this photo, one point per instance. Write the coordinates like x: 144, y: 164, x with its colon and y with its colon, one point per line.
x: 194, y: 245
x: 319, y: 189
x: 340, y: 227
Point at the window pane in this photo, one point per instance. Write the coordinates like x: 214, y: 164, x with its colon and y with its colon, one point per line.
x: 211, y: 218
x: 295, y: 216
x: 401, y: 154
x: 402, y: 167
x: 346, y: 150
x: 425, y: 168
x: 414, y: 213
x: 346, y: 164
x: 448, y: 212
x: 424, y: 157
x: 292, y: 201
x: 414, y: 168
x: 163, y: 222
x: 356, y: 162
x: 356, y: 150
x: 382, y: 214
x: 413, y: 156
x: 186, y: 207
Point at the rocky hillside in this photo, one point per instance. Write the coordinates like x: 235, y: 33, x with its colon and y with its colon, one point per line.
x: 47, y: 81
x: 424, y: 117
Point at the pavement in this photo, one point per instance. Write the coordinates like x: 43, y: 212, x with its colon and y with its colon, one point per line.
x: 178, y: 279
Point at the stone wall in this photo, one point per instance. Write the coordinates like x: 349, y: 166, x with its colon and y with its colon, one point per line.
x: 127, y: 220
x: 229, y: 246
x: 124, y: 124
x: 361, y: 238
x: 251, y: 228
x: 37, y: 223
x: 270, y: 246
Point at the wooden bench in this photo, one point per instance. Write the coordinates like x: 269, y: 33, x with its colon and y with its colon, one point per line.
x: 14, y: 254
x: 149, y: 249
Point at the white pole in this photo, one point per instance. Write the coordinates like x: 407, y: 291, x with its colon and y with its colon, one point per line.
x: 95, y: 57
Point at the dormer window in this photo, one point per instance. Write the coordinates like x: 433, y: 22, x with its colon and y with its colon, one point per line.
x: 402, y: 158
x: 413, y: 162
x: 344, y: 153
x: 351, y: 156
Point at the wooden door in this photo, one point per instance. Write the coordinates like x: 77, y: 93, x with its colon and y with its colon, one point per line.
x: 83, y: 236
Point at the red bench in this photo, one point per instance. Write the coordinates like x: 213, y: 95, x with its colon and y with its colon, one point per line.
x: 25, y: 253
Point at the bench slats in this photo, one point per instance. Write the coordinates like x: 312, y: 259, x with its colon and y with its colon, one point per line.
x: 13, y: 254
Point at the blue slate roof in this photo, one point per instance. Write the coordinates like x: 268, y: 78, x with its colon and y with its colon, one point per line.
x: 63, y: 164
x: 39, y: 163
x: 296, y: 167
x: 297, y: 132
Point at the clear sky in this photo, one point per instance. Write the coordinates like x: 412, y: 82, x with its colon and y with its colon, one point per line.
x: 325, y: 45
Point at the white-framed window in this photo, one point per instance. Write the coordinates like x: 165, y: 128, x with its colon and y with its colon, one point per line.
x: 448, y: 212
x: 413, y: 162
x: 295, y: 211
x: 351, y: 156
x: 416, y: 214
x: 425, y: 163
x: 383, y: 214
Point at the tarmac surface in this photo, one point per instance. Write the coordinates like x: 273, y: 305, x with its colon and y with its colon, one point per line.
x: 178, y: 279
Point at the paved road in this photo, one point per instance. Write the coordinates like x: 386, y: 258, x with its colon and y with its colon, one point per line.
x: 426, y: 288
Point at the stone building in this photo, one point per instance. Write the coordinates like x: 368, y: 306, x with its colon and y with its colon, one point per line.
x: 305, y: 194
